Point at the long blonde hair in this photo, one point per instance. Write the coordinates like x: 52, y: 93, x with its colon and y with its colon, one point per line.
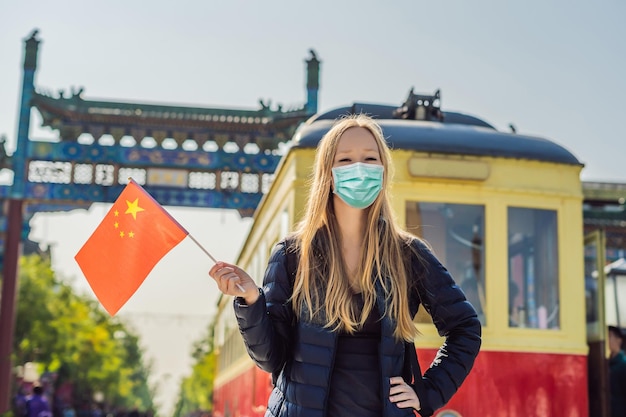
x: 321, y: 290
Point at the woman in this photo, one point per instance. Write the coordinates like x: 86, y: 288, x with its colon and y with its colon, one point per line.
x: 334, y: 320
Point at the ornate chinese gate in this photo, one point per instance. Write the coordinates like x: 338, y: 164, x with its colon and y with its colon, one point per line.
x: 183, y: 156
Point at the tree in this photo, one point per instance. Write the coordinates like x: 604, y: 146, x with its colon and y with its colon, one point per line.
x: 71, y: 337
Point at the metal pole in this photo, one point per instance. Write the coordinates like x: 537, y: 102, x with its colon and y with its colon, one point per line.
x: 8, y: 301
x: 617, y: 313
x: 12, y: 249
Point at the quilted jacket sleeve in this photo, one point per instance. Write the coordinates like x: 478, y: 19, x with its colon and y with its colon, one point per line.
x: 456, y: 320
x: 266, y: 325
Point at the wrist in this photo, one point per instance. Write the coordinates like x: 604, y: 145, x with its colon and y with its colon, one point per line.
x: 252, y: 296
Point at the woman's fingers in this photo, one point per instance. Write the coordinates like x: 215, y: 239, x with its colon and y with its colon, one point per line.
x: 229, y: 278
x: 402, y: 394
x: 232, y: 280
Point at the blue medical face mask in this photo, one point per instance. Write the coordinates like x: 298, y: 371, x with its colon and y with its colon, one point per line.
x: 358, y: 184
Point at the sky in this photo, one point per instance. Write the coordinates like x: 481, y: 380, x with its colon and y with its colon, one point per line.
x: 553, y: 68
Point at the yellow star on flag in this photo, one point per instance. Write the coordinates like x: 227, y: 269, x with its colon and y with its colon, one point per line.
x: 133, y: 208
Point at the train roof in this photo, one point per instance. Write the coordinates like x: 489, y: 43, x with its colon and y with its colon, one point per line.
x: 456, y: 134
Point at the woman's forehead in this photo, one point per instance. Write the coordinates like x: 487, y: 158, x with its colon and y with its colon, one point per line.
x: 357, y: 138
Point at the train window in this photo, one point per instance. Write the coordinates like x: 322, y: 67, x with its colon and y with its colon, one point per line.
x: 456, y: 234
x: 616, y: 292
x: 533, y: 268
x: 593, y: 304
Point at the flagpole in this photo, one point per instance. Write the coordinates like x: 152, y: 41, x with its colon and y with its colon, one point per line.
x: 203, y: 250
x: 212, y: 258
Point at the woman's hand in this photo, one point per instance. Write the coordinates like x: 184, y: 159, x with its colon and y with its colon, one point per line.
x: 232, y: 280
x: 402, y: 394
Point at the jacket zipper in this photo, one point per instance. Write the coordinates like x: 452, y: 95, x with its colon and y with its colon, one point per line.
x: 330, y: 375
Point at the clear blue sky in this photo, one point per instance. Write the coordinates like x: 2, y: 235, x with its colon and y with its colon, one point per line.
x: 553, y: 68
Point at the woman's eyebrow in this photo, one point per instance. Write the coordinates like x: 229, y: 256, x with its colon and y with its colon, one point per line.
x: 354, y: 150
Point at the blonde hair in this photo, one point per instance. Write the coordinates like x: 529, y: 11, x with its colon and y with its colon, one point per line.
x: 321, y: 290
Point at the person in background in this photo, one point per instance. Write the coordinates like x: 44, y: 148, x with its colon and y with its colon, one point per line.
x: 37, y: 405
x: 617, y: 372
x: 19, y: 402
x: 333, y: 322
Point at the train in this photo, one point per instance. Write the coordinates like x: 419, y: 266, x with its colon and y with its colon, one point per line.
x: 505, y: 212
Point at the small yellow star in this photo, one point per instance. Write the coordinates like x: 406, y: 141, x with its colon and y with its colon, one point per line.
x: 116, y: 213
x: 131, y: 234
x: 116, y: 225
x: 121, y: 234
x: 133, y: 208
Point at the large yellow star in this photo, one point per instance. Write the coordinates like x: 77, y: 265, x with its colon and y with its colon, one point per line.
x: 133, y: 208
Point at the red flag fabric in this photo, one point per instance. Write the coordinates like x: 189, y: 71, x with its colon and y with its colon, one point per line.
x: 131, y: 239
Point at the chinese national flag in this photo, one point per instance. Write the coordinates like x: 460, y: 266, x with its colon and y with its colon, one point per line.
x: 134, y: 235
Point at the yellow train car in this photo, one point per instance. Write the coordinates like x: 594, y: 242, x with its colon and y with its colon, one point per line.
x: 504, y: 213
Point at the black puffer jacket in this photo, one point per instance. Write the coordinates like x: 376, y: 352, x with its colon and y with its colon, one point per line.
x: 301, y: 354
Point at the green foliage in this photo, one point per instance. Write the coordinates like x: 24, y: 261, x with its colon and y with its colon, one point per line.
x: 71, y: 336
x: 196, y: 390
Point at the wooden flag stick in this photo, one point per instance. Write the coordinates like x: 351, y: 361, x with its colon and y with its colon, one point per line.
x: 212, y: 258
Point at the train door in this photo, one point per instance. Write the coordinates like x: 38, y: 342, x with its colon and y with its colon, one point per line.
x: 595, y: 282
